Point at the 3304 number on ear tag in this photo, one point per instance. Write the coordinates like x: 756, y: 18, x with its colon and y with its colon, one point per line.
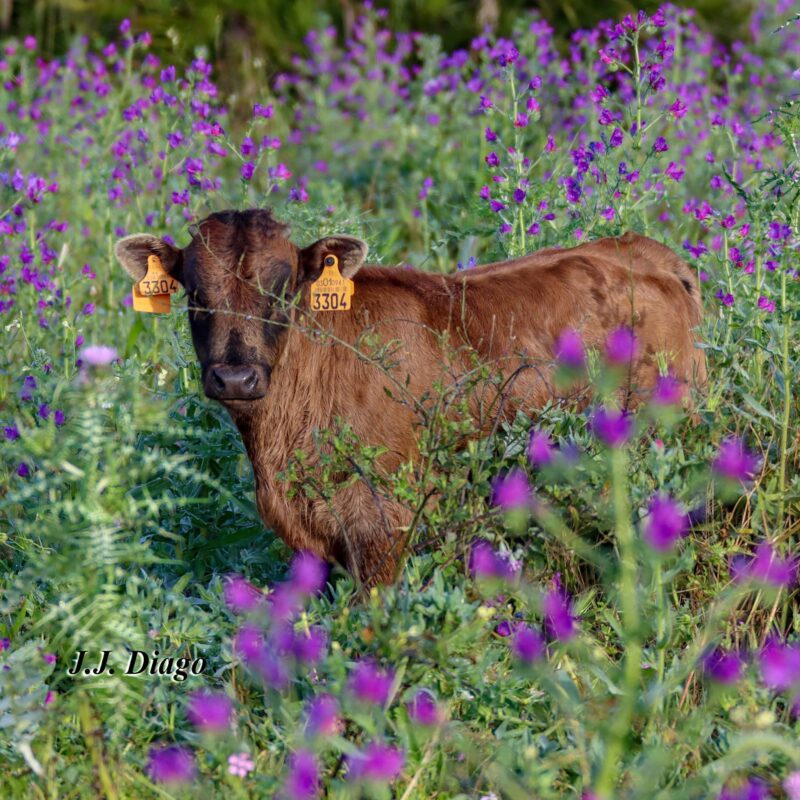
x: 151, y: 295
x: 331, y: 292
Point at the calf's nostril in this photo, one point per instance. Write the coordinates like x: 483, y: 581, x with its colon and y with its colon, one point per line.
x: 250, y: 380
x: 219, y: 381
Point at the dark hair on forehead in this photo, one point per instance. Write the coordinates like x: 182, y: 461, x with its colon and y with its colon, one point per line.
x: 251, y: 220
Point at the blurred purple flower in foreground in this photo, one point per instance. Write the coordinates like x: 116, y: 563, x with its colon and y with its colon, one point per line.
x: 528, y: 644
x: 302, y: 782
x: 723, y: 666
x: 485, y: 562
x: 765, y: 566
x: 210, y: 711
x: 322, y: 716
x: 423, y: 708
x: 621, y: 346
x: 511, y: 490
x: 752, y: 789
x: 173, y: 764
x: 665, y: 524
x: 668, y: 391
x: 249, y: 643
x: 309, y: 647
x: 377, y: 762
x: 569, y: 351
x: 370, y: 683
x: 240, y: 595
x: 734, y: 461
x: 780, y: 665
x: 611, y: 426
x: 540, y: 449
x: 559, y: 618
x: 308, y: 573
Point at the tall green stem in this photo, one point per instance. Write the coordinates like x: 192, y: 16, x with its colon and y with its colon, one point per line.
x: 787, y: 398
x: 628, y: 580
x: 637, y: 75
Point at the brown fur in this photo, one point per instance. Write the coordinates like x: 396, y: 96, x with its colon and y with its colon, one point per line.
x: 508, y: 314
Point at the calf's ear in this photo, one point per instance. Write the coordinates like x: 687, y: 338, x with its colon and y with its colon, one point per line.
x: 132, y: 252
x: 350, y: 251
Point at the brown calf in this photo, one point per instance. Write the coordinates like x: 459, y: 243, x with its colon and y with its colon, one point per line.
x: 284, y: 371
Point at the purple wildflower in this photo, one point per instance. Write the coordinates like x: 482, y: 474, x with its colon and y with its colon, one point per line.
x: 210, y: 711
x: 765, y: 304
x: 780, y: 665
x: 528, y: 644
x: 249, y: 643
x: 611, y: 426
x: 674, y: 171
x: 723, y: 666
x: 308, y: 573
x: 660, y: 145
x: 668, y: 391
x: 265, y: 112
x: 734, y: 462
x: 765, y: 566
x: 540, y: 449
x: 511, y: 491
x: 172, y: 764
x: 666, y: 523
x: 621, y: 346
x: 558, y: 613
x: 751, y: 789
x: 371, y: 684
x: 240, y: 595
x: 310, y: 647
x: 377, y: 762
x: 302, y: 782
x: 423, y: 709
x: 322, y: 716
x: 485, y: 562
x: 568, y: 349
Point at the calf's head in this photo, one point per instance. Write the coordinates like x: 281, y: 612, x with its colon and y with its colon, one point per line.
x: 241, y: 273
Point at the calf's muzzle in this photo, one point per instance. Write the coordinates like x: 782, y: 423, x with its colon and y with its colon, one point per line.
x: 236, y: 381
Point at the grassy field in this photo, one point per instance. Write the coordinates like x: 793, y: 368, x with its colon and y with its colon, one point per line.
x: 558, y: 630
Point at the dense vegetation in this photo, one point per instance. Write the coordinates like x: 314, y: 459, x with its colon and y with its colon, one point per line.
x: 248, y: 38
x: 559, y: 630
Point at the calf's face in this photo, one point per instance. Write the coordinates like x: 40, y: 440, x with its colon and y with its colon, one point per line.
x: 241, y: 274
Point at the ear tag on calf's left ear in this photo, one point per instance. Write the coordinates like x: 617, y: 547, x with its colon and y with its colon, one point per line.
x: 151, y: 294
x: 331, y: 292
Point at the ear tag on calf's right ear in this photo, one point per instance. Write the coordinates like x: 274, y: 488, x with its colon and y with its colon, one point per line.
x: 151, y: 294
x: 331, y: 292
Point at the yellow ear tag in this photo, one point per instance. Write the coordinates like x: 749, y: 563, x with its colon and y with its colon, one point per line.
x: 331, y: 292
x: 151, y: 294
